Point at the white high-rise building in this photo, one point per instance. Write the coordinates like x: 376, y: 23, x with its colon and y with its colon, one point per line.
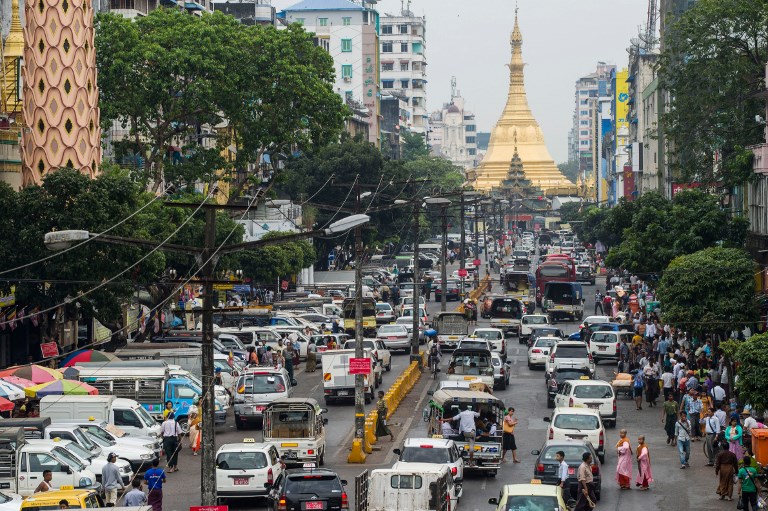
x: 581, y: 146
x: 453, y: 132
x: 349, y: 32
x: 404, y: 65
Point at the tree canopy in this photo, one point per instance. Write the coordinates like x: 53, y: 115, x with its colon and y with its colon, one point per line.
x: 167, y: 75
x: 713, y: 65
x: 709, y: 290
x: 752, y: 356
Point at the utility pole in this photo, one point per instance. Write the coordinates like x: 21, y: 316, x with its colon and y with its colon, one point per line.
x: 359, y: 378
x: 463, y: 243
x: 415, y: 336
x: 208, y: 441
x: 443, y: 272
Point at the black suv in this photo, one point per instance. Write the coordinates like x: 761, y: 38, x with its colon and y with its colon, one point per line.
x: 560, y: 376
x: 306, y: 489
x: 547, y: 467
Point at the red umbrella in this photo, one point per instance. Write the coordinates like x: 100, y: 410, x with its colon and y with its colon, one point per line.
x: 88, y: 356
x: 36, y: 373
x: 5, y: 405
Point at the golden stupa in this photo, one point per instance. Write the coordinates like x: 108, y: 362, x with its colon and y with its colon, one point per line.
x: 517, y: 127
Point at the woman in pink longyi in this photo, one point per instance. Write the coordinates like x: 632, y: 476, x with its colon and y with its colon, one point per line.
x: 644, y: 475
x: 624, y: 465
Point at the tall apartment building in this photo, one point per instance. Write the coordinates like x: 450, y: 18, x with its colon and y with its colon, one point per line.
x: 581, y: 146
x: 643, y: 118
x: 404, y: 65
x: 349, y: 31
x: 453, y: 133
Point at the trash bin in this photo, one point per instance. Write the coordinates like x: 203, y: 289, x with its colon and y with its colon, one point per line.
x: 760, y: 445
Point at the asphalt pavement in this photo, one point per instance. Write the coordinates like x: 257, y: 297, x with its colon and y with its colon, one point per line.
x: 673, y: 489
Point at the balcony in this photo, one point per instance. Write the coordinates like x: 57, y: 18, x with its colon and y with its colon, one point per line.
x: 760, y: 164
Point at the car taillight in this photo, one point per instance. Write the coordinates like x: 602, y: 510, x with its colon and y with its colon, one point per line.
x: 601, y: 441
x: 501, y: 371
x: 310, y: 451
x: 503, y: 346
x: 590, y: 357
x: 535, y: 350
x: 344, y: 501
x: 614, y: 404
x: 595, y: 470
x: 617, y: 347
x: 552, y: 358
x: 540, y: 467
x: 570, y: 402
x: 454, y: 471
x: 551, y: 434
x: 270, y: 477
x: 281, y: 505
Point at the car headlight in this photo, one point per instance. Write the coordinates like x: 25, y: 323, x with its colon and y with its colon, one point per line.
x: 126, y: 469
x: 85, y: 481
x: 147, y: 456
x: 150, y: 446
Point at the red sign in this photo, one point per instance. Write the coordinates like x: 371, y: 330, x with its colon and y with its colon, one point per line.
x: 710, y: 188
x: 49, y: 349
x: 477, y: 262
x: 462, y: 272
x: 284, y: 285
x: 359, y: 366
x: 629, y: 183
x: 209, y: 508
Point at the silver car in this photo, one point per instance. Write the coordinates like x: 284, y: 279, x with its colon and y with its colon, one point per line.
x: 500, y: 372
x: 395, y: 337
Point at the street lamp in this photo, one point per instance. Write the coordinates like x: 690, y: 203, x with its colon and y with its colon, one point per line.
x: 443, y: 204
x: 207, y: 257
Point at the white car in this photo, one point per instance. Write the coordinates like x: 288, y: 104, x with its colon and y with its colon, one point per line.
x: 384, y: 313
x: 538, y: 353
x: 408, y: 324
x: 439, y: 451
x: 500, y: 372
x: 10, y: 501
x: 246, y: 470
x: 570, y: 354
x: 528, y: 321
x: 495, y: 336
x: 593, y: 394
x: 377, y: 347
x: 395, y: 337
x: 605, y: 345
x: 407, y: 303
x: 474, y: 343
x: 578, y: 424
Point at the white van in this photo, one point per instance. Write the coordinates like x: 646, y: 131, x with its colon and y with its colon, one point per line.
x: 338, y: 384
x: 411, y: 487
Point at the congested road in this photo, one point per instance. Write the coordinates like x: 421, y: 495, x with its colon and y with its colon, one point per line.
x: 672, y: 489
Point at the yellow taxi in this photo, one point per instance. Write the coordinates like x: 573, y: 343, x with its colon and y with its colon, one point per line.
x: 76, y: 499
x: 530, y: 496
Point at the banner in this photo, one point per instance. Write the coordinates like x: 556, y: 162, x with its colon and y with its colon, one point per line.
x: 49, y: 349
x: 359, y: 366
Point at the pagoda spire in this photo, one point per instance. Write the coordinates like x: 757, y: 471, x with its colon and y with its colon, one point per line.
x: 14, y: 43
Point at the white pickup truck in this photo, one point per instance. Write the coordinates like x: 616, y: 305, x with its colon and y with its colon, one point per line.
x: 297, y: 428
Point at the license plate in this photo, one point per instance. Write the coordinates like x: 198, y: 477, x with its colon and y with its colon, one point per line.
x: 343, y: 393
x: 313, y: 505
x: 289, y: 444
x: 602, y: 348
x: 504, y: 321
x: 291, y: 455
x: 242, y: 481
x: 453, y: 337
x: 593, y: 405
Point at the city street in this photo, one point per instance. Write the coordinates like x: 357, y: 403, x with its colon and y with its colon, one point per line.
x: 672, y: 489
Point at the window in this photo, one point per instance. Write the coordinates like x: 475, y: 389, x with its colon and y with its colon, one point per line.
x: 346, y: 21
x: 387, y: 84
x: 348, y: 95
x: 404, y: 47
x: 185, y: 393
x: 470, y: 127
x: 404, y: 84
x: 584, y: 142
x: 127, y: 418
x: 471, y: 151
x: 346, y: 45
x: 417, y: 101
x: 417, y: 66
x: 584, y: 112
x: 241, y: 460
x: 386, y: 47
x: 584, y: 132
x: 387, y: 66
x: 584, y: 102
x: 583, y: 92
x: 323, y: 22
x: 584, y: 123
x: 417, y: 48
x: 470, y: 140
x: 404, y: 66
x: 39, y: 462
x: 386, y: 29
x: 403, y: 29
x: 346, y: 71
x: 300, y: 21
x: 405, y: 482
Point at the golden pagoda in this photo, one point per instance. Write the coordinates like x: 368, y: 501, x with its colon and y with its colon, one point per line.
x: 11, y: 101
x: 517, y: 131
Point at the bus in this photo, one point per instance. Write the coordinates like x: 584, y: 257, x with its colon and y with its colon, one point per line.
x: 369, y: 316
x: 552, y: 270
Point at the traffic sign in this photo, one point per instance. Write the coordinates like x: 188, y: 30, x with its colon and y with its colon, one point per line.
x: 462, y: 272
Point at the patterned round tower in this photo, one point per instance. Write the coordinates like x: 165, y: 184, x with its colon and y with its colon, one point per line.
x: 61, y: 110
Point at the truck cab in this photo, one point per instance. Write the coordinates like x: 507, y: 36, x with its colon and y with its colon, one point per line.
x: 297, y: 428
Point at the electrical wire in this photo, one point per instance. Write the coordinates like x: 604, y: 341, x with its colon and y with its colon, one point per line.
x: 90, y: 239
x: 351, y: 188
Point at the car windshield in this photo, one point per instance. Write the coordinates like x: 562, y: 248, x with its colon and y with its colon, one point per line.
x: 241, y: 460
x: 383, y: 307
x: 147, y: 419
x: 68, y: 458
x: 491, y: 335
x: 391, y: 329
x: 569, y: 375
x: 95, y: 431
x: 603, y: 337
x: 317, y: 484
x: 531, y: 503
x: 571, y: 352
x: 425, y: 455
x: 79, y: 451
x: 506, y: 308
x: 535, y: 320
x: 474, y: 344
x: 101, y: 442
x: 572, y: 452
x: 593, y: 392
x: 268, y: 383
x: 545, y: 343
x: 573, y: 421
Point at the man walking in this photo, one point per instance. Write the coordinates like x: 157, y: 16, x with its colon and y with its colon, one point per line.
x: 587, y: 499
x: 155, y: 477
x: 136, y: 497
x: 562, y: 469
x: 712, y: 430
x: 598, y: 301
x: 111, y: 480
x: 683, y: 436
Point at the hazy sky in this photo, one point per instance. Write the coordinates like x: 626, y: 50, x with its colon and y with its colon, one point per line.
x: 562, y: 40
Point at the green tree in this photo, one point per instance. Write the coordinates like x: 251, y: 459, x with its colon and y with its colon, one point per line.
x: 166, y: 75
x: 265, y: 264
x: 570, y: 169
x: 413, y: 146
x: 752, y: 356
x: 711, y: 290
x: 712, y: 67
x: 571, y: 211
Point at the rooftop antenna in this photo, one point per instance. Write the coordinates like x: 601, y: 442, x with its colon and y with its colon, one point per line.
x: 453, y: 88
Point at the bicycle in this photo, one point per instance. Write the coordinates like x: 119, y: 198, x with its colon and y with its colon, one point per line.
x: 434, y: 363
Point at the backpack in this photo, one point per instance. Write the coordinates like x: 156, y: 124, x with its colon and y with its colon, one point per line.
x: 638, y: 380
x: 433, y: 350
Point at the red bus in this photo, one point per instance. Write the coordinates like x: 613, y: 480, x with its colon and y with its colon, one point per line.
x: 560, y: 258
x: 550, y: 271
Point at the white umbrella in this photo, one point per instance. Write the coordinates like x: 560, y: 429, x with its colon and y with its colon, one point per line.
x: 10, y: 391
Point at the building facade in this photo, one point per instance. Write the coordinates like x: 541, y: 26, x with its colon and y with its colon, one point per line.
x: 349, y: 32
x: 453, y: 133
x: 11, y: 92
x: 643, y: 118
x: 404, y: 65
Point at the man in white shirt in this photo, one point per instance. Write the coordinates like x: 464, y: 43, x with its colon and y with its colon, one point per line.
x: 712, y: 429
x: 562, y: 469
x: 718, y: 395
x: 720, y: 414
x: 466, y: 420
x: 749, y: 422
x: 668, y: 380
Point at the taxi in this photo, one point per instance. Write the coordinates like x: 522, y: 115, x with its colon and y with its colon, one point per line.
x: 76, y: 499
x: 246, y: 470
x: 529, y: 496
